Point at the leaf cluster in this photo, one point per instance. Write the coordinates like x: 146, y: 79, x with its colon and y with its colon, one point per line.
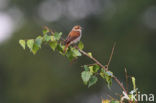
x: 55, y: 43
x: 92, y: 72
x: 35, y: 44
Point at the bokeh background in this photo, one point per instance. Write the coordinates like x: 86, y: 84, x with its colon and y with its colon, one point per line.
x: 48, y: 77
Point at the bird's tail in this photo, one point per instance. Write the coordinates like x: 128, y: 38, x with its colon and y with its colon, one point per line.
x: 66, y: 46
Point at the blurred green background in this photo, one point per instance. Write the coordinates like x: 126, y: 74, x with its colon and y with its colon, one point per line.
x: 49, y: 77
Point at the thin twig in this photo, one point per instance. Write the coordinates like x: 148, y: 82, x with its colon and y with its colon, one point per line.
x: 110, y: 58
x: 126, y: 77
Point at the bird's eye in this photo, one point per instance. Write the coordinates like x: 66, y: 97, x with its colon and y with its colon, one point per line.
x: 77, y: 27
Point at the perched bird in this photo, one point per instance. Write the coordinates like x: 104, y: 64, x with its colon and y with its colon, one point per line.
x: 73, y: 37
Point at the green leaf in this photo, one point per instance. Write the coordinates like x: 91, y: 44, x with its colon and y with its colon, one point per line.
x: 109, y: 81
x: 86, y: 68
x: 90, y: 54
x: 72, y: 53
x: 30, y: 43
x: 75, y: 52
x: 109, y: 73
x: 102, y: 70
x: 107, y: 76
x: 60, y: 48
x: 115, y: 102
x: 35, y: 49
x: 105, y: 101
x: 38, y: 41
x: 47, y: 38
x: 91, y: 69
x: 80, y: 45
x: 57, y: 36
x: 22, y: 43
x: 69, y: 55
x: 45, y: 30
x: 85, y: 75
x: 92, y: 81
x: 103, y: 73
x: 52, y: 38
x: 96, y: 68
x: 53, y: 45
x: 133, y: 81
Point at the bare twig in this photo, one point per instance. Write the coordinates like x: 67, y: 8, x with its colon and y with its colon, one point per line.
x: 126, y: 77
x: 110, y: 58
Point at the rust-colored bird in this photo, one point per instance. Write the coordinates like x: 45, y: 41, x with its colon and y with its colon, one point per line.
x: 73, y: 37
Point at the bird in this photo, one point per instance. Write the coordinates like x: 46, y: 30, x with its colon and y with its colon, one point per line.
x: 73, y: 37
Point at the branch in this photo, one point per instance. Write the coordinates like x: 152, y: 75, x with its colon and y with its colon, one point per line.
x: 120, y: 84
x: 54, y: 39
x: 102, y: 66
x: 91, y: 57
x: 97, y: 62
x: 110, y: 58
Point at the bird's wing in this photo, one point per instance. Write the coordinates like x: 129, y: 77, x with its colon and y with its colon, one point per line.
x: 72, y: 36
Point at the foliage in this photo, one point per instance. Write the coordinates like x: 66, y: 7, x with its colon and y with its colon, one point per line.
x: 91, y: 73
x: 22, y: 43
x: 53, y: 41
x: 94, y: 72
x: 108, y: 101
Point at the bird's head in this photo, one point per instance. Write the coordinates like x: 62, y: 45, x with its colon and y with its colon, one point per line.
x: 77, y: 28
